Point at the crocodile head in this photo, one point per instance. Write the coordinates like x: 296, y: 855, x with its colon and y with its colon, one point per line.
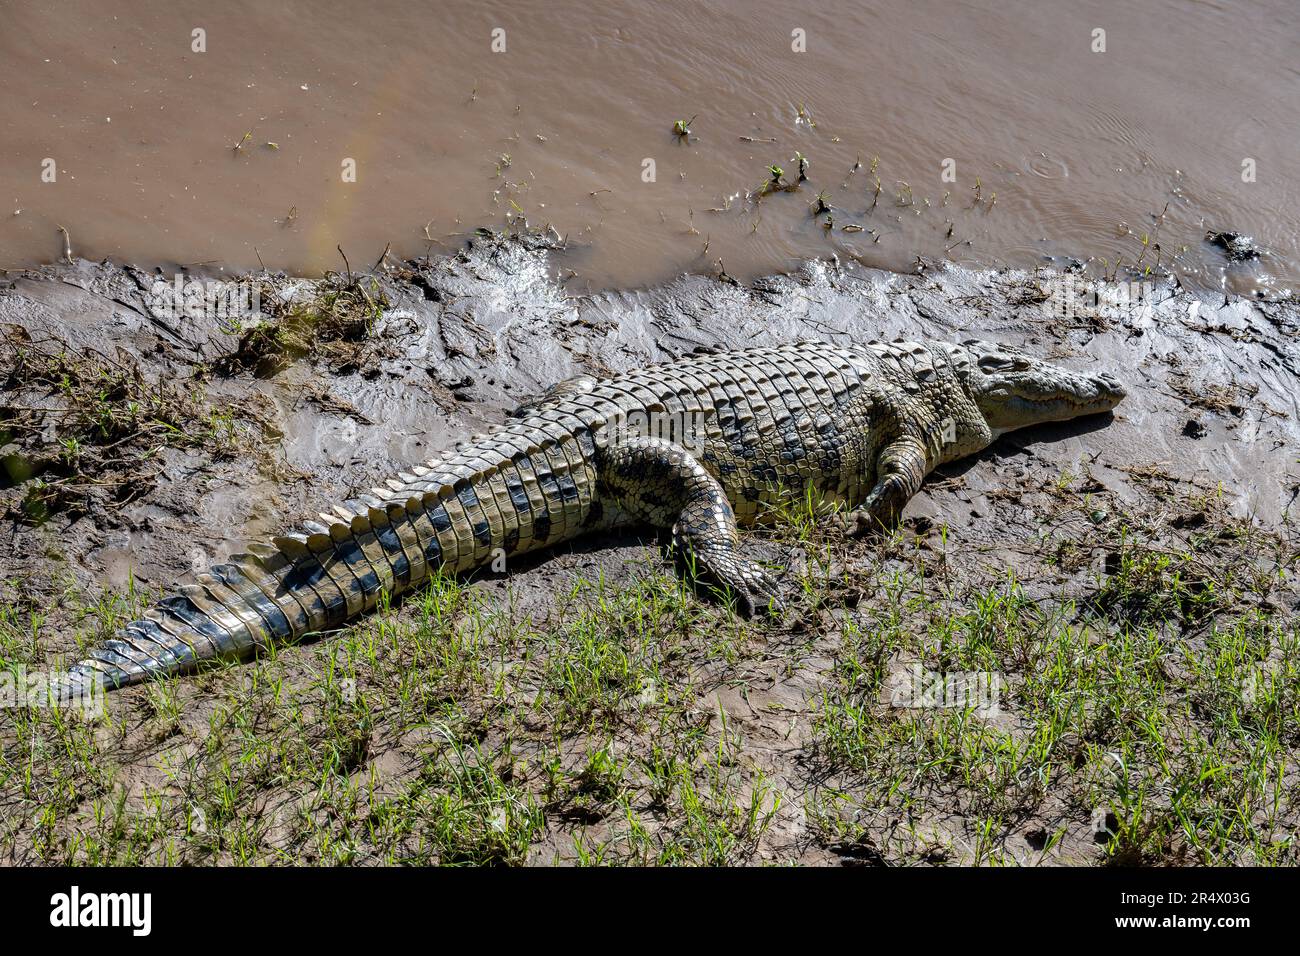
x: 1013, y: 390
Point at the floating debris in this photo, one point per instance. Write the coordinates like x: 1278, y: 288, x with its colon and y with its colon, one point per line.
x: 1238, y: 248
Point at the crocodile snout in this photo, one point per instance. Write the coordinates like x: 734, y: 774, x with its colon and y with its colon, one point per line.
x: 1110, y: 386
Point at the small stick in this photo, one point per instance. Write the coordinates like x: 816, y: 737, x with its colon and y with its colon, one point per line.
x: 387, y: 246
x: 67, y: 245
x: 345, y: 262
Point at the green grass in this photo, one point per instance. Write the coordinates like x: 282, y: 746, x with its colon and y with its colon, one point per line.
x: 1146, y: 712
x: 1159, y: 707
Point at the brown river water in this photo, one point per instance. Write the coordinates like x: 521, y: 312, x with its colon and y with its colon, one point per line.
x: 459, y: 115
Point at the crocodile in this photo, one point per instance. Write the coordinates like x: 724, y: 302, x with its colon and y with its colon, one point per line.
x: 701, y: 446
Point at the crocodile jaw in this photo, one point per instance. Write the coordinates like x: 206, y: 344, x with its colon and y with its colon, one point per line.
x: 1006, y: 410
x: 1013, y: 390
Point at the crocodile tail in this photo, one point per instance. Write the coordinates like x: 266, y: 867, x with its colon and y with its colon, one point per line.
x: 494, y: 495
x: 301, y: 584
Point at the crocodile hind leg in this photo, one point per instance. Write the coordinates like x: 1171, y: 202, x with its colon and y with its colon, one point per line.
x: 660, y: 482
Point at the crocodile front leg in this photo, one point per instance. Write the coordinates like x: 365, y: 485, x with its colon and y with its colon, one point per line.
x: 660, y: 482
x: 900, y: 469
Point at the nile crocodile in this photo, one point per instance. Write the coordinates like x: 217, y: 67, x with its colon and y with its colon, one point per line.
x: 700, y: 446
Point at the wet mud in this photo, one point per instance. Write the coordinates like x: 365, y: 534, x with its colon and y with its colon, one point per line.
x: 1213, y: 412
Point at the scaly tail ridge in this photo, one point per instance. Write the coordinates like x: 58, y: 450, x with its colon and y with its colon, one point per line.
x: 505, y: 490
x: 306, y: 582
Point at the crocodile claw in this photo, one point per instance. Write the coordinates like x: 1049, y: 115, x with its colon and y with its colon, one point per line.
x: 755, y: 589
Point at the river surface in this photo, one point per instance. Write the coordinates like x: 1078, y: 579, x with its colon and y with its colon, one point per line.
x: 1001, y: 133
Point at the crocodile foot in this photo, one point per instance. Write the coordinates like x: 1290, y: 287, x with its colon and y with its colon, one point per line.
x: 754, y: 587
x: 877, y: 516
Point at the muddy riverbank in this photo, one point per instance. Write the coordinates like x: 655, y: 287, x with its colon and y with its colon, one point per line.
x: 1199, y: 461
x: 1213, y: 398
